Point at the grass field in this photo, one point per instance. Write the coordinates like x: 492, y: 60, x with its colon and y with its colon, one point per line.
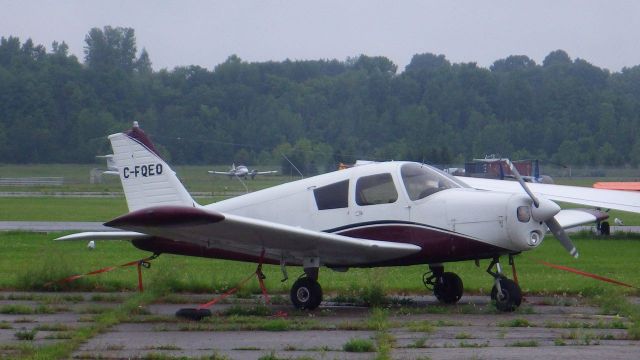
x: 77, y: 178
x: 29, y: 260
x: 206, y: 188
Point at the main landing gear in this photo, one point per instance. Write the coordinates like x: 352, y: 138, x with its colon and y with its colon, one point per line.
x: 306, y: 292
x: 447, y: 286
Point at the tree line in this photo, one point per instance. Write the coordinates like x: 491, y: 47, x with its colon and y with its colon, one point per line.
x: 55, y: 108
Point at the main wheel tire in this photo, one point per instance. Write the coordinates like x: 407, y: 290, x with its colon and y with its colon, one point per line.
x: 511, y: 295
x: 193, y: 314
x: 605, y: 229
x: 306, y: 294
x: 448, y: 288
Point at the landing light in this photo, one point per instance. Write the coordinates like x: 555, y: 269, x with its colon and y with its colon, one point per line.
x: 534, y: 238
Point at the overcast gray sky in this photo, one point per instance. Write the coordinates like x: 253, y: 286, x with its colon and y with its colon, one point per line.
x: 205, y: 33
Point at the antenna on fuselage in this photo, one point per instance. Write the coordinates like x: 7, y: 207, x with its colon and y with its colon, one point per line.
x: 243, y: 184
x: 286, y: 158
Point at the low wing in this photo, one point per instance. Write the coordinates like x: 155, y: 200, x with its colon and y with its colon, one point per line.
x: 569, y: 218
x: 220, y: 172
x: 266, y: 172
x: 605, y: 199
x: 250, y: 236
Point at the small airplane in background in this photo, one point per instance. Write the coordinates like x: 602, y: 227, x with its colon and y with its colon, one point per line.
x: 380, y: 214
x: 242, y: 171
x: 111, y: 166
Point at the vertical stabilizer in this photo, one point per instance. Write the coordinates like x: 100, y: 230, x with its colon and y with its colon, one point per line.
x: 146, y: 179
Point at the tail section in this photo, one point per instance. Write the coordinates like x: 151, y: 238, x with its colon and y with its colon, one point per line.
x: 146, y: 179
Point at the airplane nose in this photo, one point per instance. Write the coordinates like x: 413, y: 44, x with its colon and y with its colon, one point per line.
x: 546, y: 210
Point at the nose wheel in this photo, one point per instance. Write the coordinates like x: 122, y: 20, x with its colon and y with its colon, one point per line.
x: 505, y: 293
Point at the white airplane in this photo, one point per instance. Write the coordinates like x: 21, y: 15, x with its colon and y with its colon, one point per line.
x: 111, y: 167
x: 242, y: 171
x: 380, y: 214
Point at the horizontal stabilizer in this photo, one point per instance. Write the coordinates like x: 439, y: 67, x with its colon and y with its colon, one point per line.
x: 166, y: 216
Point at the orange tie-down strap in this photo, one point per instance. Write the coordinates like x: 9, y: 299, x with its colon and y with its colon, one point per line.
x: 584, y: 273
x: 139, y: 263
x: 258, y: 273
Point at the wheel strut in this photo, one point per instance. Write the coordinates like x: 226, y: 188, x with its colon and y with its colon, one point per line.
x: 497, y: 275
x: 506, y: 293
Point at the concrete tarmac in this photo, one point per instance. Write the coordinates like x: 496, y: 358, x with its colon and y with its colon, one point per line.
x: 544, y: 327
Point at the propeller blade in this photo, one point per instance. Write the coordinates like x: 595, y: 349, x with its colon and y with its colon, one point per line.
x: 562, y: 236
x: 546, y: 213
x: 515, y: 172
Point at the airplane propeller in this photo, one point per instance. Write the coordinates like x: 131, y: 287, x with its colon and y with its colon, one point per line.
x: 545, y: 211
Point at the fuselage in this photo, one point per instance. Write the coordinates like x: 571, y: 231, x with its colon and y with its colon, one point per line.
x: 398, y: 202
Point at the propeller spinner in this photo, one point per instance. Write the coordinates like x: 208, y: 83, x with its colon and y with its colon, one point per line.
x: 544, y: 210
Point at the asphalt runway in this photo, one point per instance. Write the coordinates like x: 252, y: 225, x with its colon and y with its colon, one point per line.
x: 51, y: 226
x: 544, y: 327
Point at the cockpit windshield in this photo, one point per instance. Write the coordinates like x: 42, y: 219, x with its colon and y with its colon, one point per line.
x: 423, y: 180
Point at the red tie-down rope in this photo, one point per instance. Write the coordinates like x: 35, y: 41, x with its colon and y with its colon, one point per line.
x: 584, y: 273
x: 139, y: 263
x: 258, y: 273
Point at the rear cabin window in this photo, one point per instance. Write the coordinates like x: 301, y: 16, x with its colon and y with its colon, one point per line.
x: 376, y: 189
x: 334, y: 196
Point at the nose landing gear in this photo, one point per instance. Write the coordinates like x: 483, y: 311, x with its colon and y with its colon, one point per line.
x: 505, y: 292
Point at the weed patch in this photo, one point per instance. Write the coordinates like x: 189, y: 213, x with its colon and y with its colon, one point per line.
x: 359, y: 345
x: 463, y: 335
x: 421, y: 326
x: 515, y: 323
x: 419, y: 343
x: 525, y: 343
x: 26, y: 334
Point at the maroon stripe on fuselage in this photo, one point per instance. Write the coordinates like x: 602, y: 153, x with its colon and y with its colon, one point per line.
x: 437, y: 245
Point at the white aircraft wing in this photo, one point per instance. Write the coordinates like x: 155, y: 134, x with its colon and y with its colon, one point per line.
x: 249, y: 236
x: 266, y: 172
x: 568, y: 218
x: 605, y: 199
x: 220, y: 172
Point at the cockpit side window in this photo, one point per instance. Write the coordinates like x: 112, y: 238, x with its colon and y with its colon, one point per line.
x: 422, y: 181
x: 376, y: 189
x: 333, y: 196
